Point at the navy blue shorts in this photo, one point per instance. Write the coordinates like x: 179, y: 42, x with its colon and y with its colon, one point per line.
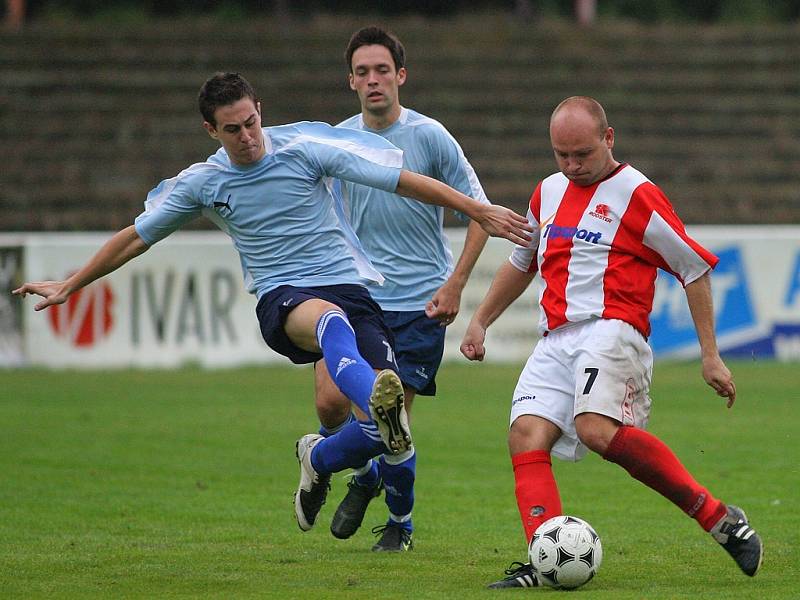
x: 375, y: 340
x: 419, y: 346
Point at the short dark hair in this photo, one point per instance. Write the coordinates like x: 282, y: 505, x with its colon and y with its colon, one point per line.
x: 369, y: 36
x: 222, y: 89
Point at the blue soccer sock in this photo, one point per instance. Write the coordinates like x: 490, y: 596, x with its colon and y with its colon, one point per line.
x: 368, y: 475
x: 329, y: 431
x: 398, y: 474
x: 350, y: 448
x: 348, y: 369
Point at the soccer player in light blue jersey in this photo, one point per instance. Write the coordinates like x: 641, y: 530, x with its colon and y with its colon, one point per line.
x: 269, y: 189
x: 406, y: 242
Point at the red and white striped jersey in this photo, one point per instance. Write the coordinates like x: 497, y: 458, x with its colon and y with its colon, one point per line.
x: 599, y: 246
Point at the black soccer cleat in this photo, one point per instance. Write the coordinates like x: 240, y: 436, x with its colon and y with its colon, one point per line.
x: 741, y: 541
x: 386, y: 407
x: 394, y: 538
x: 313, y: 488
x: 518, y: 575
x: 350, y: 513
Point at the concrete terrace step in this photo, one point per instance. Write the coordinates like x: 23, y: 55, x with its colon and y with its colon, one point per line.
x: 104, y: 112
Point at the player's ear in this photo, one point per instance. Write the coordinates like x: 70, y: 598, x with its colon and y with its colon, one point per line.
x: 212, y: 131
x: 351, y: 80
x: 609, y: 138
x: 401, y: 76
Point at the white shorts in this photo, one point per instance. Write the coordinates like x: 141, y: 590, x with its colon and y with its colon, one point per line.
x: 601, y: 366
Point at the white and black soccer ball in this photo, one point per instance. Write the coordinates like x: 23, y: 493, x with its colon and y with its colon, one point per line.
x: 565, y: 552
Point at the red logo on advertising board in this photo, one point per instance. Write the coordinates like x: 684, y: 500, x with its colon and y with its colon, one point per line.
x: 85, y: 318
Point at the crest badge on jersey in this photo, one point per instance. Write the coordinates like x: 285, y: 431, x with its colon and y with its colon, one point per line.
x: 601, y: 211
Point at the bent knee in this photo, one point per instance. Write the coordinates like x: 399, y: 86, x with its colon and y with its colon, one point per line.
x: 331, y: 416
x: 529, y: 432
x: 595, y: 431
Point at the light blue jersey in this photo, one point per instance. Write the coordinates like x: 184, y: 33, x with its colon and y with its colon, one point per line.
x: 404, y: 238
x: 280, y: 213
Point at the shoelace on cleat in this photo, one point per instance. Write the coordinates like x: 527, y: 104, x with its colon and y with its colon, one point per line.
x: 381, y: 529
x: 513, y: 570
x: 741, y: 532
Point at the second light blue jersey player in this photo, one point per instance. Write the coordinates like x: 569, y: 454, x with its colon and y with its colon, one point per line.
x: 285, y: 224
x: 391, y: 227
x: 422, y: 291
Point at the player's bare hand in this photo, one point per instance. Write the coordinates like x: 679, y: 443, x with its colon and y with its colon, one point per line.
x: 719, y: 377
x: 445, y: 304
x: 499, y: 221
x: 472, y: 344
x: 52, y: 292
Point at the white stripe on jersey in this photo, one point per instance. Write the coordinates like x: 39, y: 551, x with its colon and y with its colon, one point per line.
x: 382, y: 156
x: 552, y: 191
x: 587, y: 267
x: 660, y: 237
x: 521, y: 257
x: 365, y: 268
x: 475, y: 186
x: 162, y: 192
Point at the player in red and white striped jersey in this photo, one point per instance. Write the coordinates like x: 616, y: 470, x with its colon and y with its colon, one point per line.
x: 604, y: 230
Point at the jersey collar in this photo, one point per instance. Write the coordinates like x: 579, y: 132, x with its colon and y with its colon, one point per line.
x: 401, y: 120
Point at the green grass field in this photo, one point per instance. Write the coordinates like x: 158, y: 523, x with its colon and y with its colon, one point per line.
x: 179, y: 484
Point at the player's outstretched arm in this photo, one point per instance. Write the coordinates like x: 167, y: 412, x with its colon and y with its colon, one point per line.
x: 125, y: 245
x: 701, y: 305
x: 507, y: 285
x: 446, y: 301
x: 496, y: 220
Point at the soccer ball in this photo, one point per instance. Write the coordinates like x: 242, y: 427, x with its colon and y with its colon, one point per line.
x: 565, y: 552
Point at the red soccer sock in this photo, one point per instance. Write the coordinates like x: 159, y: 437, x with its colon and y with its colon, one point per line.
x: 536, y: 489
x: 650, y: 460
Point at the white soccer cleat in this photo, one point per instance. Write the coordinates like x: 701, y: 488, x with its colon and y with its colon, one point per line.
x: 313, y: 488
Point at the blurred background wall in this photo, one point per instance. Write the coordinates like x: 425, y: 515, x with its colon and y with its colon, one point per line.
x: 98, y: 99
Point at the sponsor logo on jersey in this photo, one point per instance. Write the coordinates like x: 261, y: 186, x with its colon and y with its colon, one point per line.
x: 601, y: 212
x: 223, y: 205
x: 544, y: 223
x: 522, y: 399
x: 556, y: 231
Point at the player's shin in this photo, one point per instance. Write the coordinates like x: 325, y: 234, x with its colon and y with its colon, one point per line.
x: 399, y: 472
x: 537, y: 492
x: 348, y: 369
x: 368, y: 475
x: 350, y: 448
x: 650, y: 460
